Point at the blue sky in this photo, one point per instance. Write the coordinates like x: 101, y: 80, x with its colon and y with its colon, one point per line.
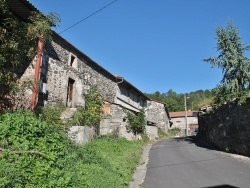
x: 156, y: 45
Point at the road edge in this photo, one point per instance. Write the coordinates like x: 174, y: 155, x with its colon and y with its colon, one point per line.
x: 141, y: 170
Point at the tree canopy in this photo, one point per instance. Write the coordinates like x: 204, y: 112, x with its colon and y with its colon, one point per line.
x: 175, y: 102
x: 18, y: 40
x: 234, y: 64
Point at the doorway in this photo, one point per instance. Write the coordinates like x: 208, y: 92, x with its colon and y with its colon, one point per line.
x: 69, y: 101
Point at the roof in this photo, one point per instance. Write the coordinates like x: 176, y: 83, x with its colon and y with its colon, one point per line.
x: 130, y: 86
x: 21, y: 8
x: 158, y: 101
x: 183, y: 114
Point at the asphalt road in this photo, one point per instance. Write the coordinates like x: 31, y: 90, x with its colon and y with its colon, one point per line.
x: 191, y: 163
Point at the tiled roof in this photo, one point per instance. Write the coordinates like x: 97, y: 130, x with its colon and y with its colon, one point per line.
x: 183, y: 114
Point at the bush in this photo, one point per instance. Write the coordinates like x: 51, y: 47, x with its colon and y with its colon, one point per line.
x: 52, y: 114
x: 173, y: 132
x: 136, y: 123
x: 161, y: 133
x: 32, y: 150
x: 36, y: 154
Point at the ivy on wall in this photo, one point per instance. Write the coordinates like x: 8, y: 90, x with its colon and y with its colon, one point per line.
x: 89, y: 115
x: 136, y: 122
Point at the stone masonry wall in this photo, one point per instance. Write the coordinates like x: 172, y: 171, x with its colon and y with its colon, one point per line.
x: 56, y: 72
x: 156, y: 113
x: 116, y: 120
x: 228, y: 127
x: 87, y: 74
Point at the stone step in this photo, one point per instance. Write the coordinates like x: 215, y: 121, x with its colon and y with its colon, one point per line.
x: 68, y: 114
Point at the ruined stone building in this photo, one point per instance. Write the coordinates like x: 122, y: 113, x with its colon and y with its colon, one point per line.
x: 67, y: 73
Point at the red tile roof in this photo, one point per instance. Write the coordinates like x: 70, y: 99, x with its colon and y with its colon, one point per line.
x: 183, y: 114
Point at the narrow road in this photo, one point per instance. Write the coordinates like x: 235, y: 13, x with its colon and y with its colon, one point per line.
x: 191, y: 163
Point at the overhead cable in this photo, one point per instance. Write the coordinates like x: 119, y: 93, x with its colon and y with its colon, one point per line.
x: 88, y: 16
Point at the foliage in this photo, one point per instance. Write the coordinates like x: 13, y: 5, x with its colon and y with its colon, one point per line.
x: 36, y: 154
x: 136, y: 123
x: 234, y: 64
x: 111, y: 162
x: 21, y: 135
x: 174, y: 132
x: 52, y: 114
x: 91, y: 114
x: 145, y: 138
x: 161, y: 133
x: 175, y: 102
x: 18, y: 41
x: 171, y: 133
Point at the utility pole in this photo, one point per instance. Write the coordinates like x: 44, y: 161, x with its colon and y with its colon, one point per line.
x: 185, y: 104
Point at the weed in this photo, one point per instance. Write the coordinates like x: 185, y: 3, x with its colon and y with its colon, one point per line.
x: 37, y: 154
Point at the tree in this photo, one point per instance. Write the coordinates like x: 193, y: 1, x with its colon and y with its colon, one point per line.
x: 18, y: 41
x: 235, y: 66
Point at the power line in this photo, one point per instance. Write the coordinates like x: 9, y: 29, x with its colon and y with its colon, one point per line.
x: 88, y: 16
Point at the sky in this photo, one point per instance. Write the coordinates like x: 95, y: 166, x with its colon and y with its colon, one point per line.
x: 156, y: 45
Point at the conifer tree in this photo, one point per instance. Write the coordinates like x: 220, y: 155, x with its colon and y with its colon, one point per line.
x: 234, y: 64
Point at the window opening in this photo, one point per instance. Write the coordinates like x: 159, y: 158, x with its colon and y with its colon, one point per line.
x: 70, y: 93
x: 72, y: 59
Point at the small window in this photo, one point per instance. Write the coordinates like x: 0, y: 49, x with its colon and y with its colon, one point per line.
x: 73, y: 61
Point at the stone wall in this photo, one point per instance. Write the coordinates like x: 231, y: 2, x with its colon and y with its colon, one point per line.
x: 87, y: 73
x: 228, y: 127
x: 116, y: 121
x: 156, y: 113
x: 56, y: 71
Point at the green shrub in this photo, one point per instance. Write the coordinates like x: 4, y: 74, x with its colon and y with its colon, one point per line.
x: 161, y: 133
x: 136, y: 122
x: 36, y: 154
x: 32, y: 150
x: 52, y: 114
x: 173, y: 132
x: 89, y: 115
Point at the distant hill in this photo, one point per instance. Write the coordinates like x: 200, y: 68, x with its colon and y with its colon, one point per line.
x: 175, y: 102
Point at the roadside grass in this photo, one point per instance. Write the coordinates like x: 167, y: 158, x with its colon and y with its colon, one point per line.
x: 171, y: 133
x: 34, y: 153
x: 111, y: 162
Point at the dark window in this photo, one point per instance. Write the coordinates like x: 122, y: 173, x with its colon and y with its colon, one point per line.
x: 70, y: 92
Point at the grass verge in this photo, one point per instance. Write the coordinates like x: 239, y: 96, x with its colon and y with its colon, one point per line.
x: 34, y: 153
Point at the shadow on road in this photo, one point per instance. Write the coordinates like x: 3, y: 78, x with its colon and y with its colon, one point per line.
x: 198, y: 142
x: 222, y: 186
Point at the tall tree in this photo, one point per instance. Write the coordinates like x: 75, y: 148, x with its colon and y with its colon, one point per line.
x: 18, y: 41
x: 234, y: 64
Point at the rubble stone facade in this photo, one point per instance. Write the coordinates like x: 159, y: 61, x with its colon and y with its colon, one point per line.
x: 228, y: 127
x: 158, y: 114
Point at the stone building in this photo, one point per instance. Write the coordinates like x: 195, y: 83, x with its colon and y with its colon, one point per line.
x: 67, y: 73
x: 179, y: 121
x: 157, y: 117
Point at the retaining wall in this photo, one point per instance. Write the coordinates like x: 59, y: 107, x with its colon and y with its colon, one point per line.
x: 228, y: 127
